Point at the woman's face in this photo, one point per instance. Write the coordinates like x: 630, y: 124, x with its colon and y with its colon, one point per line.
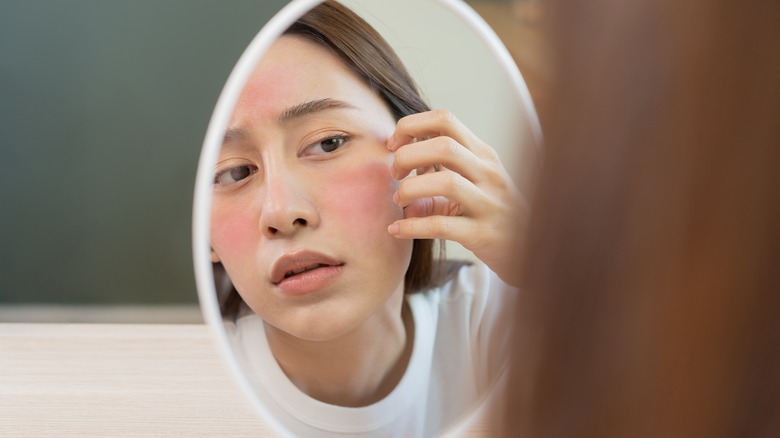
x: 303, y: 196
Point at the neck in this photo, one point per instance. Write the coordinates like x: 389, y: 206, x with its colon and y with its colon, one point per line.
x: 356, y: 369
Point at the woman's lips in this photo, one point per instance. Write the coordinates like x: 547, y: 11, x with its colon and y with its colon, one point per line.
x: 304, y: 271
x: 310, y: 280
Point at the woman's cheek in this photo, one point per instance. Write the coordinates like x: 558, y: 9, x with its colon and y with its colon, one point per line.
x: 361, y: 197
x: 231, y: 231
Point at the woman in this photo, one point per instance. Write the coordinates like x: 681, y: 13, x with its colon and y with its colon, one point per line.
x: 332, y: 180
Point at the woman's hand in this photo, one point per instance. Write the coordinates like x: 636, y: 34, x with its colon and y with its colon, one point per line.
x: 460, y: 192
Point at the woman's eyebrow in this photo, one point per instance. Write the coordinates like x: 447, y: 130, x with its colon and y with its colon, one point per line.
x: 312, y: 106
x: 234, y: 134
x: 292, y: 113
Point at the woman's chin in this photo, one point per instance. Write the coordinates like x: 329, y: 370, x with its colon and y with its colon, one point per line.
x: 321, y: 326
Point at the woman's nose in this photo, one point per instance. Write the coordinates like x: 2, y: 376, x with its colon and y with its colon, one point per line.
x: 287, y: 207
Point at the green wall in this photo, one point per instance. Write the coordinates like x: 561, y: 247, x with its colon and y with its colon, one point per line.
x: 103, y: 109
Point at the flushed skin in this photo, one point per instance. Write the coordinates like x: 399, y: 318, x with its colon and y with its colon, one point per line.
x: 301, y: 197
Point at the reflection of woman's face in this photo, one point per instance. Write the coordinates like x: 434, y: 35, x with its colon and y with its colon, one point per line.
x: 303, y: 181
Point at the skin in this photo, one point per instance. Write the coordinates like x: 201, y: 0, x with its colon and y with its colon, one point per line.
x: 296, y: 196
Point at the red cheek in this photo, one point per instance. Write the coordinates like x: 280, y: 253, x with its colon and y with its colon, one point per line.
x: 229, y: 229
x: 362, y: 196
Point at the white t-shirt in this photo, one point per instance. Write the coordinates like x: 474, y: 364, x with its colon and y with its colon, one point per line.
x: 460, y: 348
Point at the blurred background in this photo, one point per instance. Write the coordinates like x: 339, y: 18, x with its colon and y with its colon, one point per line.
x: 103, y: 109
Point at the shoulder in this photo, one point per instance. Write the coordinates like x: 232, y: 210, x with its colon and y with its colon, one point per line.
x: 471, y: 314
x: 472, y: 304
x: 474, y: 286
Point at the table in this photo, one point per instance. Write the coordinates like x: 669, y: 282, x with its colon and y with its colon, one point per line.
x: 139, y: 380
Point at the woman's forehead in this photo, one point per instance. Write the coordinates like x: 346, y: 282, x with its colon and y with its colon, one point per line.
x: 295, y: 71
x: 294, y: 68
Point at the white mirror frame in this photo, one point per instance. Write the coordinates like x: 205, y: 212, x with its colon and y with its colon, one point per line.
x: 213, y: 141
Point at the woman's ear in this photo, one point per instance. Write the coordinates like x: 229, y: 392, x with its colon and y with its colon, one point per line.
x: 214, y: 257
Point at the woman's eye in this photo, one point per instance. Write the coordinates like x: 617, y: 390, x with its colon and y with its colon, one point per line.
x: 233, y: 175
x: 327, y: 145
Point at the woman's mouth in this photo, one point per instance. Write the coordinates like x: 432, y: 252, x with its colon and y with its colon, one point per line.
x: 304, y: 271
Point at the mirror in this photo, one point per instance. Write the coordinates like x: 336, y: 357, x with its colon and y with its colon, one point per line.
x: 330, y: 324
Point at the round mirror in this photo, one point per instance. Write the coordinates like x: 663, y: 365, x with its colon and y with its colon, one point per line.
x: 332, y: 320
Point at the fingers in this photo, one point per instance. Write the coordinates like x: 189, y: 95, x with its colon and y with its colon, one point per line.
x: 460, y: 192
x: 437, y: 123
x: 429, y: 227
x: 462, y: 195
x: 456, y: 228
x: 431, y: 206
x: 444, y: 151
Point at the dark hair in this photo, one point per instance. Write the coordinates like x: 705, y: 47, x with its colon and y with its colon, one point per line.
x: 652, y: 289
x: 365, y: 52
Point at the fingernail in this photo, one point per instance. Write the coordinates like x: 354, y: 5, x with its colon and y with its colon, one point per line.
x: 391, y: 142
x: 394, y: 229
x: 396, y: 198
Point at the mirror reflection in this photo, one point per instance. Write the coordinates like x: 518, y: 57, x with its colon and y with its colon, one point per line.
x: 335, y: 187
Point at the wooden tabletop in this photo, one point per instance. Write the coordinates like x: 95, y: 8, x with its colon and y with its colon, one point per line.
x: 137, y: 380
